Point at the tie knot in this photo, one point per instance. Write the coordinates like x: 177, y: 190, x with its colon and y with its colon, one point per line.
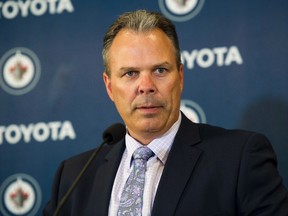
x: 143, y: 153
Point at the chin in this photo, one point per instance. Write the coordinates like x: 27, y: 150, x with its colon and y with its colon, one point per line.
x: 151, y: 127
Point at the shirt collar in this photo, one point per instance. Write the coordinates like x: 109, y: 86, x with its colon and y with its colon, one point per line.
x: 160, y: 146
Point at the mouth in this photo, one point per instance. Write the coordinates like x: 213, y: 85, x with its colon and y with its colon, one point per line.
x: 149, y: 109
x: 149, y: 106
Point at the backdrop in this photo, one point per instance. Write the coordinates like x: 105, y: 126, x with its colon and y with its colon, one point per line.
x: 53, y: 103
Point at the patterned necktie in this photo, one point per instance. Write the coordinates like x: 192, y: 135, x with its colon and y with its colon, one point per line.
x: 132, y: 195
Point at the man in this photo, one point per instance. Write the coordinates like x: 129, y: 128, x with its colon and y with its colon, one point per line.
x: 193, y: 169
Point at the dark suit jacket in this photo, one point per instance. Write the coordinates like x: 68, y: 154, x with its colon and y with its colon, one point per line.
x: 210, y: 171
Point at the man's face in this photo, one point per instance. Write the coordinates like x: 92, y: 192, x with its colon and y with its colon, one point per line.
x: 145, y: 83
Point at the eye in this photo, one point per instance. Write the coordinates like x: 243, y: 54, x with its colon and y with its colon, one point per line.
x: 160, y: 70
x: 130, y: 73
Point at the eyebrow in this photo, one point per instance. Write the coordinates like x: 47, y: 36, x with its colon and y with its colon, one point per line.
x: 163, y: 64
x: 123, y: 69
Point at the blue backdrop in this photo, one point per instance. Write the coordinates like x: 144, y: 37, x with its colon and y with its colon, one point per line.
x: 53, y: 100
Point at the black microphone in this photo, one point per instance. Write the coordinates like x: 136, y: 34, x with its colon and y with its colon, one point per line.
x: 111, y: 135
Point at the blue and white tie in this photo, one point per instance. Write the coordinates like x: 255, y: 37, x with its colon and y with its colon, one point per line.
x: 132, y: 196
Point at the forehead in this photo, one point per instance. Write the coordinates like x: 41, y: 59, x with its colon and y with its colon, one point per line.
x: 153, y: 35
x: 129, y: 44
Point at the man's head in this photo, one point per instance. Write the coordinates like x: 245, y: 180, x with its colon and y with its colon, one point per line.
x: 145, y: 76
x: 140, y: 21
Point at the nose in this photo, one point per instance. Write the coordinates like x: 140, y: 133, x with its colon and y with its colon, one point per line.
x: 146, y: 84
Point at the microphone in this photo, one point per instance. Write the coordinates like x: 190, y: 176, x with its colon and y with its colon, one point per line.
x: 114, y: 133
x: 110, y: 136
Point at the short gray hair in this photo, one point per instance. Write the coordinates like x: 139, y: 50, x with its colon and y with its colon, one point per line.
x: 140, y: 21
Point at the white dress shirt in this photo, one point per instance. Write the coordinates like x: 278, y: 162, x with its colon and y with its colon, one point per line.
x: 155, y: 165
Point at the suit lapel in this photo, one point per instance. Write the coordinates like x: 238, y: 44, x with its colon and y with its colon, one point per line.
x: 105, y: 178
x: 181, y: 161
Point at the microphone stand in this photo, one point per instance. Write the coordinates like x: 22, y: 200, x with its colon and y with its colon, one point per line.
x: 75, y: 182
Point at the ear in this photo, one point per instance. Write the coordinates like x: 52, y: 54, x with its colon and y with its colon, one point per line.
x: 107, y: 82
x: 181, y: 74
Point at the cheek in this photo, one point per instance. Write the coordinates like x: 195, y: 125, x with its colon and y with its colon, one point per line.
x: 122, y: 97
x: 174, y: 93
x: 120, y: 92
x: 174, y: 88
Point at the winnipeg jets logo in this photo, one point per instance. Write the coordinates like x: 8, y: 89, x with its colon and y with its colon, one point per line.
x: 180, y: 10
x: 20, y: 195
x: 19, y: 71
x: 193, y: 111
